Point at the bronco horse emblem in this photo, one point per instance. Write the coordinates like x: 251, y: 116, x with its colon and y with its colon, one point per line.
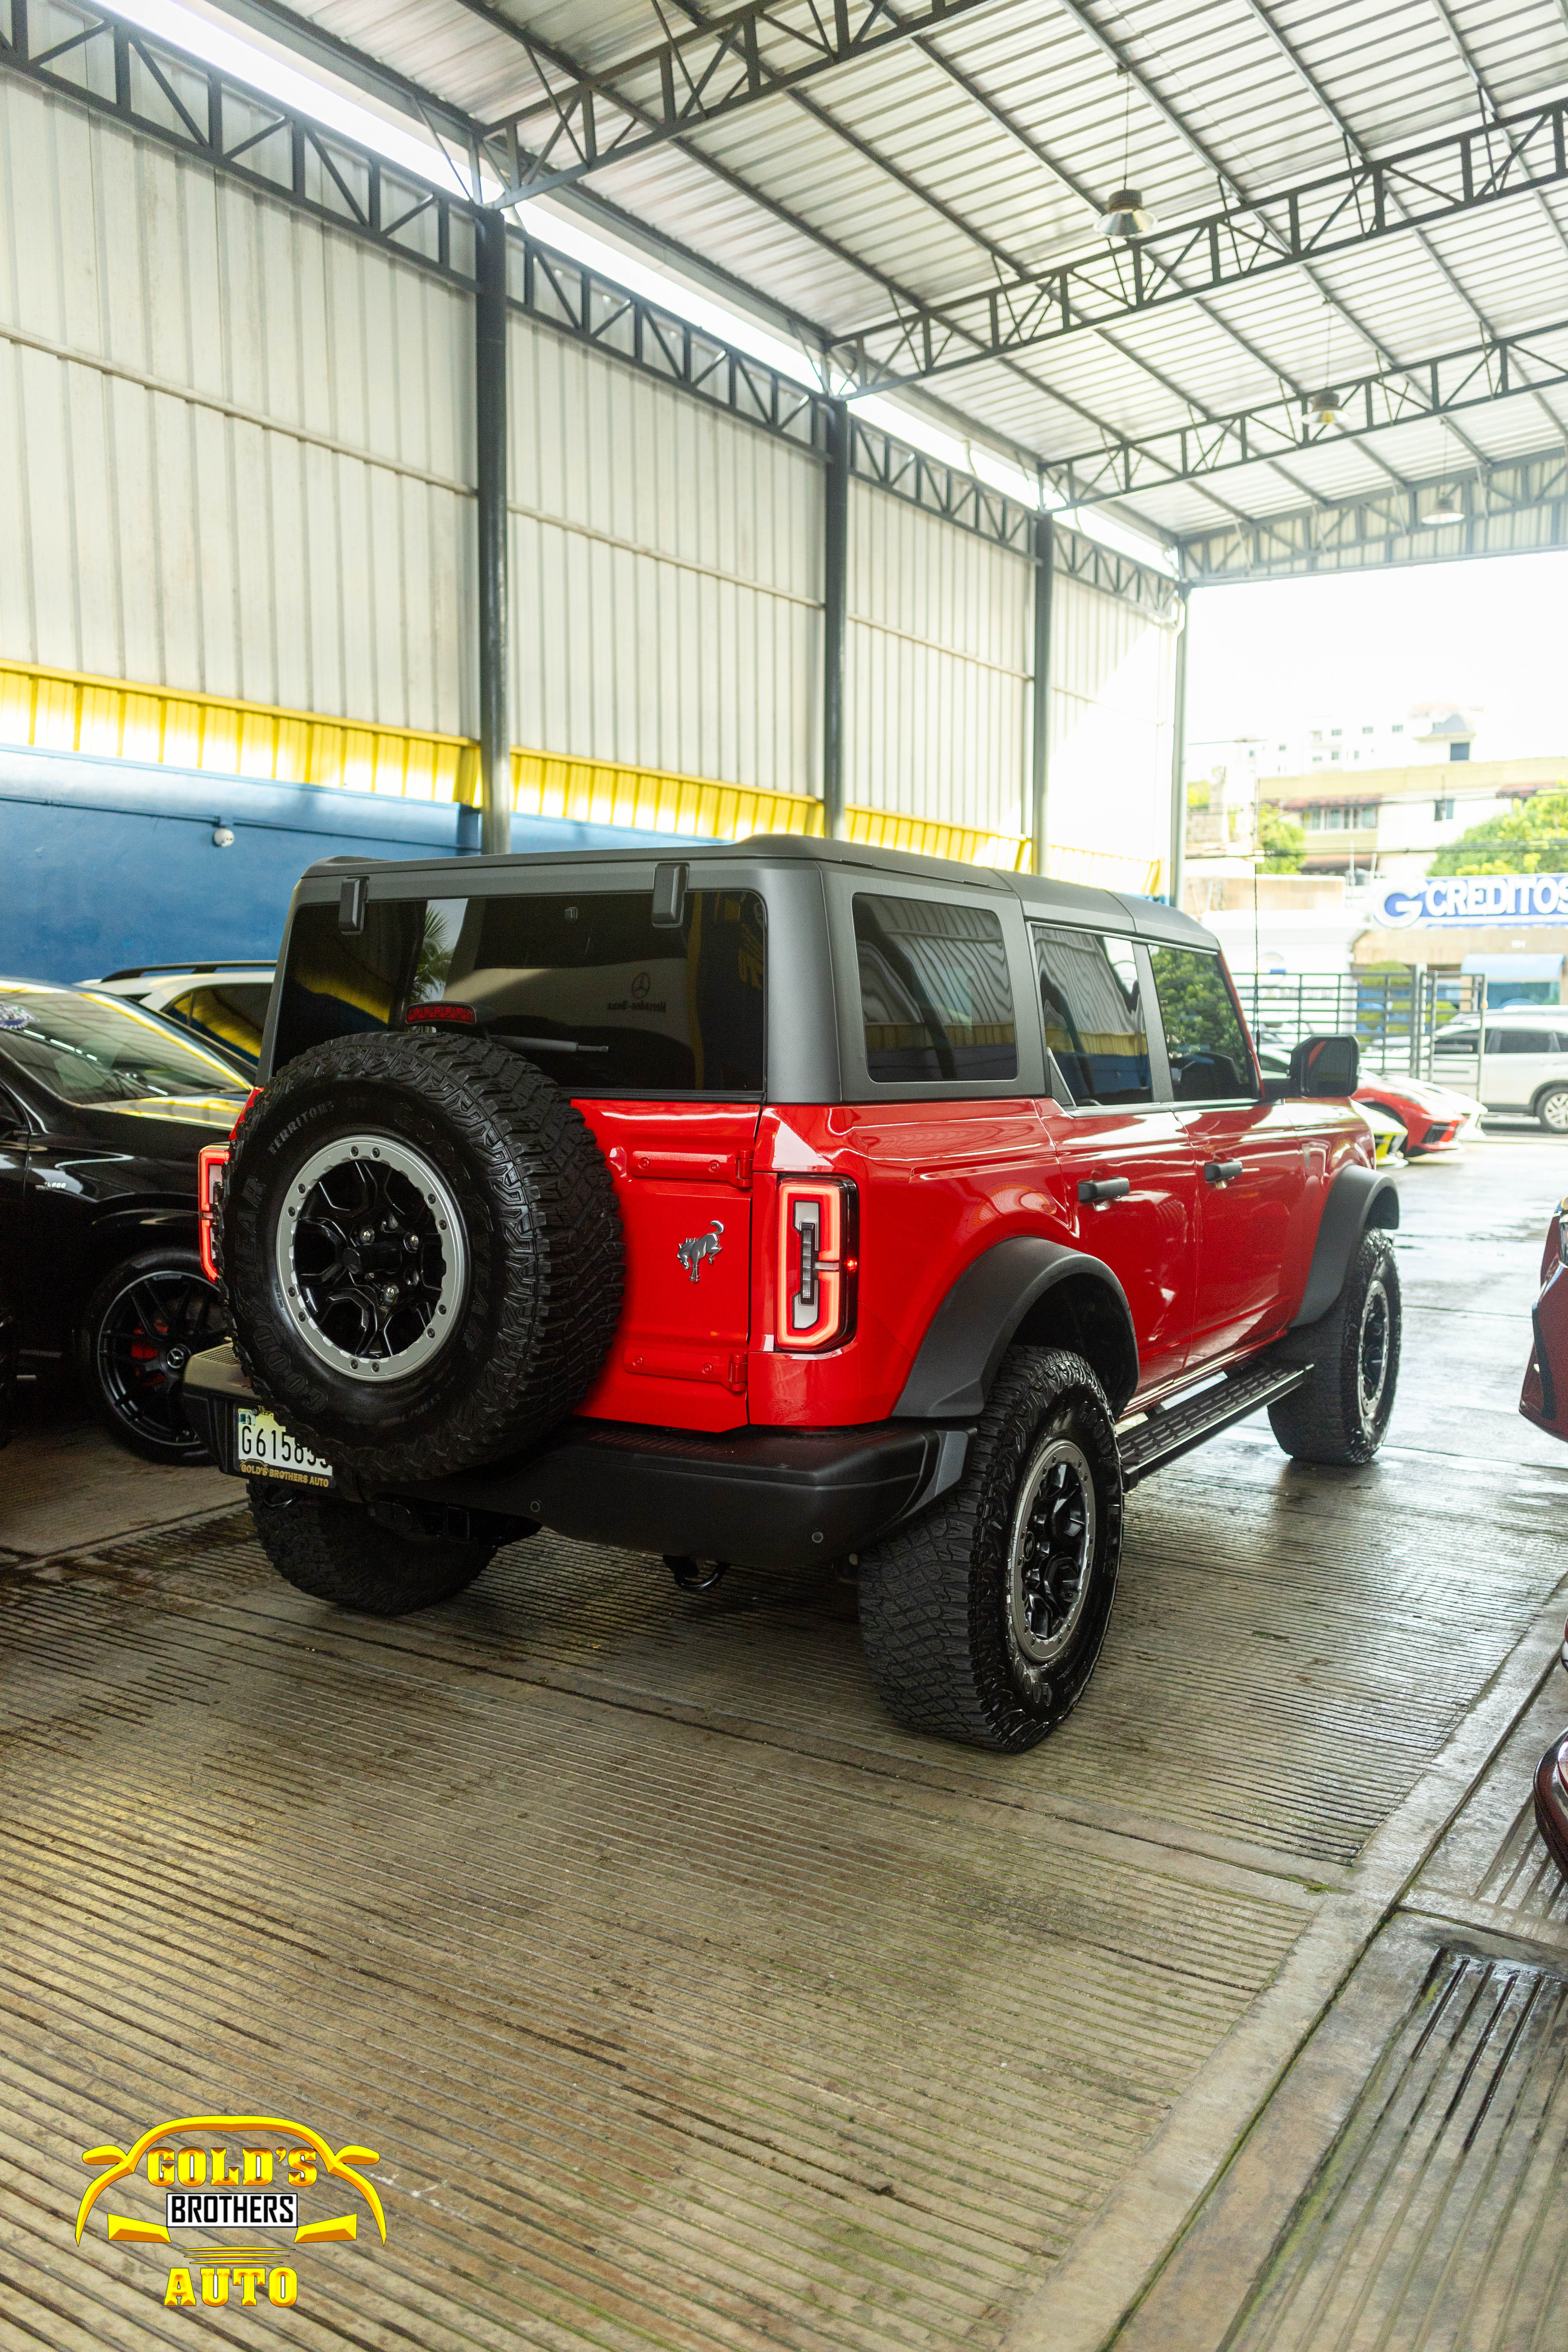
x: 698, y: 1247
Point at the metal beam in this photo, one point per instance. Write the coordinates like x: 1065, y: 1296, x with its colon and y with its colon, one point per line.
x: 575, y: 122
x: 489, y: 441
x: 1446, y: 385
x: 1519, y: 507
x: 1177, y: 863
x: 1362, y: 203
x: 1038, y: 821
x: 835, y: 615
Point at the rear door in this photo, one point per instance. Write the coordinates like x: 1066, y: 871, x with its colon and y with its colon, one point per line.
x: 653, y: 1019
x: 1252, y: 1159
x: 1114, y: 1140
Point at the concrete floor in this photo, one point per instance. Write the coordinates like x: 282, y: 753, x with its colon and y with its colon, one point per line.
x: 692, y: 2003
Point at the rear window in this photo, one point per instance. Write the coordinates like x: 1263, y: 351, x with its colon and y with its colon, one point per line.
x: 581, y: 981
x: 936, y: 997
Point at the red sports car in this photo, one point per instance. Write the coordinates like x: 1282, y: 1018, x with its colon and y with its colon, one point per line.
x: 1544, y: 1401
x: 1434, y: 1118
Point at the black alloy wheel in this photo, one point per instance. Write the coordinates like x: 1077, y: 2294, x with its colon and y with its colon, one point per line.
x: 148, y: 1316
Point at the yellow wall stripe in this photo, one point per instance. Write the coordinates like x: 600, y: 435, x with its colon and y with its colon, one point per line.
x: 64, y: 710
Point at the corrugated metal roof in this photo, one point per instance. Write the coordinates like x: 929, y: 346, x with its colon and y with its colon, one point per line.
x: 977, y: 150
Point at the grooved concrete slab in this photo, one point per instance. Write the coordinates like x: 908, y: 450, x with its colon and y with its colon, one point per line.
x: 689, y: 2001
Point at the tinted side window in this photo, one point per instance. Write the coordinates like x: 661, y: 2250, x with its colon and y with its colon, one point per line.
x: 1205, y: 1041
x: 1520, y: 1040
x: 934, y: 992
x: 1093, y: 1009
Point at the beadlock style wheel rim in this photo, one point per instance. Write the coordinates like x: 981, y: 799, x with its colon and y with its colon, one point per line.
x: 1373, y: 1353
x: 1051, y: 1552
x: 371, y: 1258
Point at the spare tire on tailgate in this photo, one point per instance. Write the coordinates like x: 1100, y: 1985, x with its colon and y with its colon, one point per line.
x: 422, y: 1250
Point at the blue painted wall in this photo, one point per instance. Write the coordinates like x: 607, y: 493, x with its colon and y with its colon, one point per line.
x: 105, y: 862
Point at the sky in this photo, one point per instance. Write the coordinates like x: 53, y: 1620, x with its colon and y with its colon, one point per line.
x: 1280, y: 654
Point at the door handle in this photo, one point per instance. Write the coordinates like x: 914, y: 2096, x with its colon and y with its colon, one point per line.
x: 1104, y: 1188
x: 1222, y: 1172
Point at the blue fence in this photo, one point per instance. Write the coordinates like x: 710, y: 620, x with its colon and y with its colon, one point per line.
x: 105, y: 862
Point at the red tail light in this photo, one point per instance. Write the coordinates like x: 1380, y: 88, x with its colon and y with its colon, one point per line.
x: 816, y: 1262
x: 420, y: 1015
x: 211, y: 1168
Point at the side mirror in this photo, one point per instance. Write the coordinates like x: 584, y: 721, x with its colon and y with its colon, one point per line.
x: 1326, y: 1065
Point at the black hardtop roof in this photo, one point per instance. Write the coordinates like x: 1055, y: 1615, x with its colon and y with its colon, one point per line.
x: 1069, y: 902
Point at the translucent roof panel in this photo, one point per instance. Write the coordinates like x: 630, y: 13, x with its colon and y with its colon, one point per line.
x: 973, y: 152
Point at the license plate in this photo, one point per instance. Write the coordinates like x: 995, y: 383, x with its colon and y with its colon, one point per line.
x: 266, y: 1450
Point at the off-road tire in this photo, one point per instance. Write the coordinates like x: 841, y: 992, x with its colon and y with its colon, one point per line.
x: 1551, y: 1109
x: 335, y: 1551
x: 935, y: 1596
x: 1329, y: 1418
x: 540, y: 1227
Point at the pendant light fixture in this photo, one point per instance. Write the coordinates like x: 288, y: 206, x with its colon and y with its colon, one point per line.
x: 1126, y: 215
x: 1447, y: 508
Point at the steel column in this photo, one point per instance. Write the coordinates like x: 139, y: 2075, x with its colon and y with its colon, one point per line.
x: 1035, y: 820
x: 835, y: 611
x: 1179, y: 761
x: 490, y: 434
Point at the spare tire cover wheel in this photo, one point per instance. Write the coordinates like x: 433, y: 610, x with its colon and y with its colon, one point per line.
x: 423, y: 1252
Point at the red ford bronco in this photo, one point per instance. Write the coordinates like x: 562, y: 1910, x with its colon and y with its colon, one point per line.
x: 782, y: 1204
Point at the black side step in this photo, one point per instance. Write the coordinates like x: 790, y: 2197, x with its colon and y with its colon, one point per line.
x: 1174, y: 1429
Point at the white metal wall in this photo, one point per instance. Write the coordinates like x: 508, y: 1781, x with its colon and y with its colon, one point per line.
x: 667, y: 575
x: 1112, y: 694
x: 231, y: 441
x: 937, y: 668
x: 236, y: 455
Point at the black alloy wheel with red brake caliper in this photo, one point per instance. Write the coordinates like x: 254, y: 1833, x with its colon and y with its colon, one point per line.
x: 148, y: 1317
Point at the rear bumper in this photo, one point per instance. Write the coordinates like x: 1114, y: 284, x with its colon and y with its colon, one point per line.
x: 761, y: 1498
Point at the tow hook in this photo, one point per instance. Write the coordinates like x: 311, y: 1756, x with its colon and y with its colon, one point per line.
x: 695, y: 1575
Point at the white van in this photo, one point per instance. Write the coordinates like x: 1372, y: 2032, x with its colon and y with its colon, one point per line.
x: 1526, y: 1063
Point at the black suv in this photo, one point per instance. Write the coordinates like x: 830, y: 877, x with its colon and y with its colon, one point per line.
x: 103, y: 1111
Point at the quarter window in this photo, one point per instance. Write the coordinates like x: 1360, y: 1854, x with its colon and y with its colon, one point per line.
x: 1205, y: 1043
x: 1093, y: 1009
x: 936, y: 997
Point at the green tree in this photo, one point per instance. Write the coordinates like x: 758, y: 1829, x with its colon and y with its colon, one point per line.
x: 1283, y: 840
x: 1531, y: 839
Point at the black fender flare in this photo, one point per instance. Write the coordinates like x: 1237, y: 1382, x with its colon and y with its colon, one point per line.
x: 985, y: 1311
x: 1358, y: 1198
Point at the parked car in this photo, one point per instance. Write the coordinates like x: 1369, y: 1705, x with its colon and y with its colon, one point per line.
x: 1387, y: 1132
x: 1544, y: 1401
x: 1435, y: 1119
x: 1526, y: 1063
x: 787, y: 1204
x: 103, y: 1111
x: 222, y: 1004
x: 10, y: 1360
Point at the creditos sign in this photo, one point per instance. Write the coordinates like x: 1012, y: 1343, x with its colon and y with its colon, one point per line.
x: 1469, y: 899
